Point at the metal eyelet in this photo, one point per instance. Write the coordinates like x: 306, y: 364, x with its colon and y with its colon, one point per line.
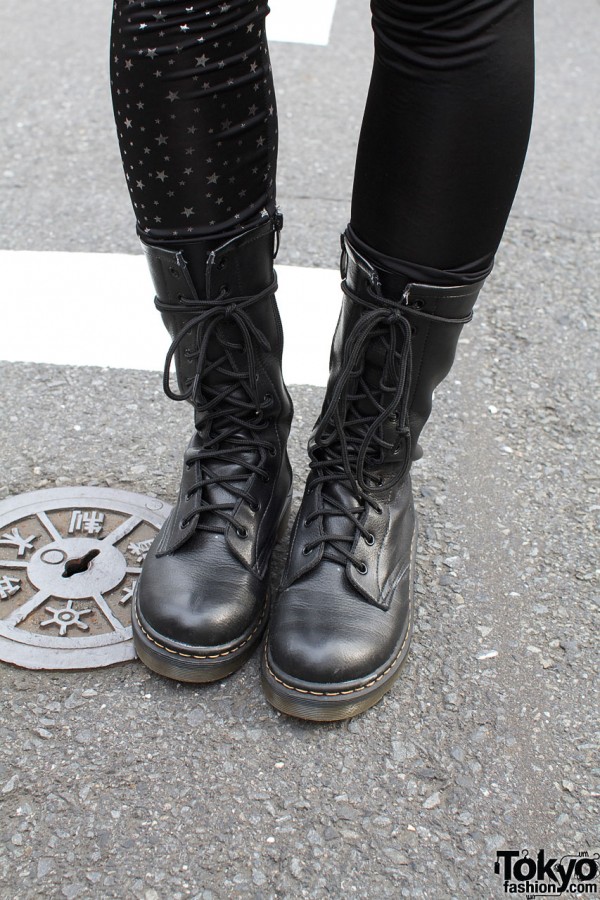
x: 173, y: 271
x: 369, y: 539
x: 417, y: 304
x: 362, y: 568
x: 254, y: 507
x: 242, y: 533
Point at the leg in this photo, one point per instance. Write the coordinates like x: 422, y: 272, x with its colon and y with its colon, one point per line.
x: 195, y: 114
x: 445, y: 130
x: 427, y: 215
x: 196, y: 117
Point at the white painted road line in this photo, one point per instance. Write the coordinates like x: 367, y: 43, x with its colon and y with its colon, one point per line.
x: 300, y: 21
x: 96, y: 309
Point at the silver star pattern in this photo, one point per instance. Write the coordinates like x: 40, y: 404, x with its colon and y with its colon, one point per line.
x: 230, y: 116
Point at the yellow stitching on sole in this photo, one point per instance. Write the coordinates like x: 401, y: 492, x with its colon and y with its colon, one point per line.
x: 199, y: 655
x: 363, y: 687
x: 369, y: 684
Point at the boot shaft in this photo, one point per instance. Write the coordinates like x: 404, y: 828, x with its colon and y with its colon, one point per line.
x: 432, y: 317
x: 217, y: 300
x: 215, y: 276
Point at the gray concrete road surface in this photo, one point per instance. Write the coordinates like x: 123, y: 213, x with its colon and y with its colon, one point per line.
x: 117, y: 783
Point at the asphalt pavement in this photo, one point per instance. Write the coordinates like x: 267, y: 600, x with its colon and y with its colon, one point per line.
x: 116, y: 783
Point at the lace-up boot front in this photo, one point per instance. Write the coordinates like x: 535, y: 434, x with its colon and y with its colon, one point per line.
x: 202, y: 598
x: 342, y: 623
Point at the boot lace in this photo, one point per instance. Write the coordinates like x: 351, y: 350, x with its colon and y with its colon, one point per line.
x: 348, y: 443
x: 226, y: 399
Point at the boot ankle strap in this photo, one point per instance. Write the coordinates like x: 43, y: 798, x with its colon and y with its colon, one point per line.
x: 363, y: 278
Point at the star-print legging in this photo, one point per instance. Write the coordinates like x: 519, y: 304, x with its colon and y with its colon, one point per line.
x: 442, y: 143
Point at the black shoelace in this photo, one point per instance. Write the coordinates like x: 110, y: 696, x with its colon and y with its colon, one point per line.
x: 348, y: 444
x: 232, y: 412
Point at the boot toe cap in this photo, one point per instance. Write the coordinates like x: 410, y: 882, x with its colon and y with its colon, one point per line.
x: 328, y: 638
x: 199, y: 599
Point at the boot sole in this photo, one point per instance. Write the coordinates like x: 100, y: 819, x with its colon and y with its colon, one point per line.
x: 321, y: 703
x: 201, y: 665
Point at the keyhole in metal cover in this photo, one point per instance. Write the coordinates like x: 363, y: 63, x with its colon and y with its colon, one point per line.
x: 82, y: 564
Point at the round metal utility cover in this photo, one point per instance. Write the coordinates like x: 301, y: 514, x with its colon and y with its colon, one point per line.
x: 69, y: 562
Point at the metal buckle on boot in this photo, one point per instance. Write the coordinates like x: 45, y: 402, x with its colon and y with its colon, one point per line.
x: 403, y: 445
x: 370, y: 273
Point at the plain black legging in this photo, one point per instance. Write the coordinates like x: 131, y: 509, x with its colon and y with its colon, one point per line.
x: 442, y: 144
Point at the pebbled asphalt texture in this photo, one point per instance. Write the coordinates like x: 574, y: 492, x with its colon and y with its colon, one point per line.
x: 117, y: 783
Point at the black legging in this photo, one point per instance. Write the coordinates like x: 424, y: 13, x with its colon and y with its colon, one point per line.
x: 441, y: 148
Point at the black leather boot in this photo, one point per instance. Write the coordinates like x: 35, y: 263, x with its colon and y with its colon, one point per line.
x: 342, y: 623
x: 202, y: 598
